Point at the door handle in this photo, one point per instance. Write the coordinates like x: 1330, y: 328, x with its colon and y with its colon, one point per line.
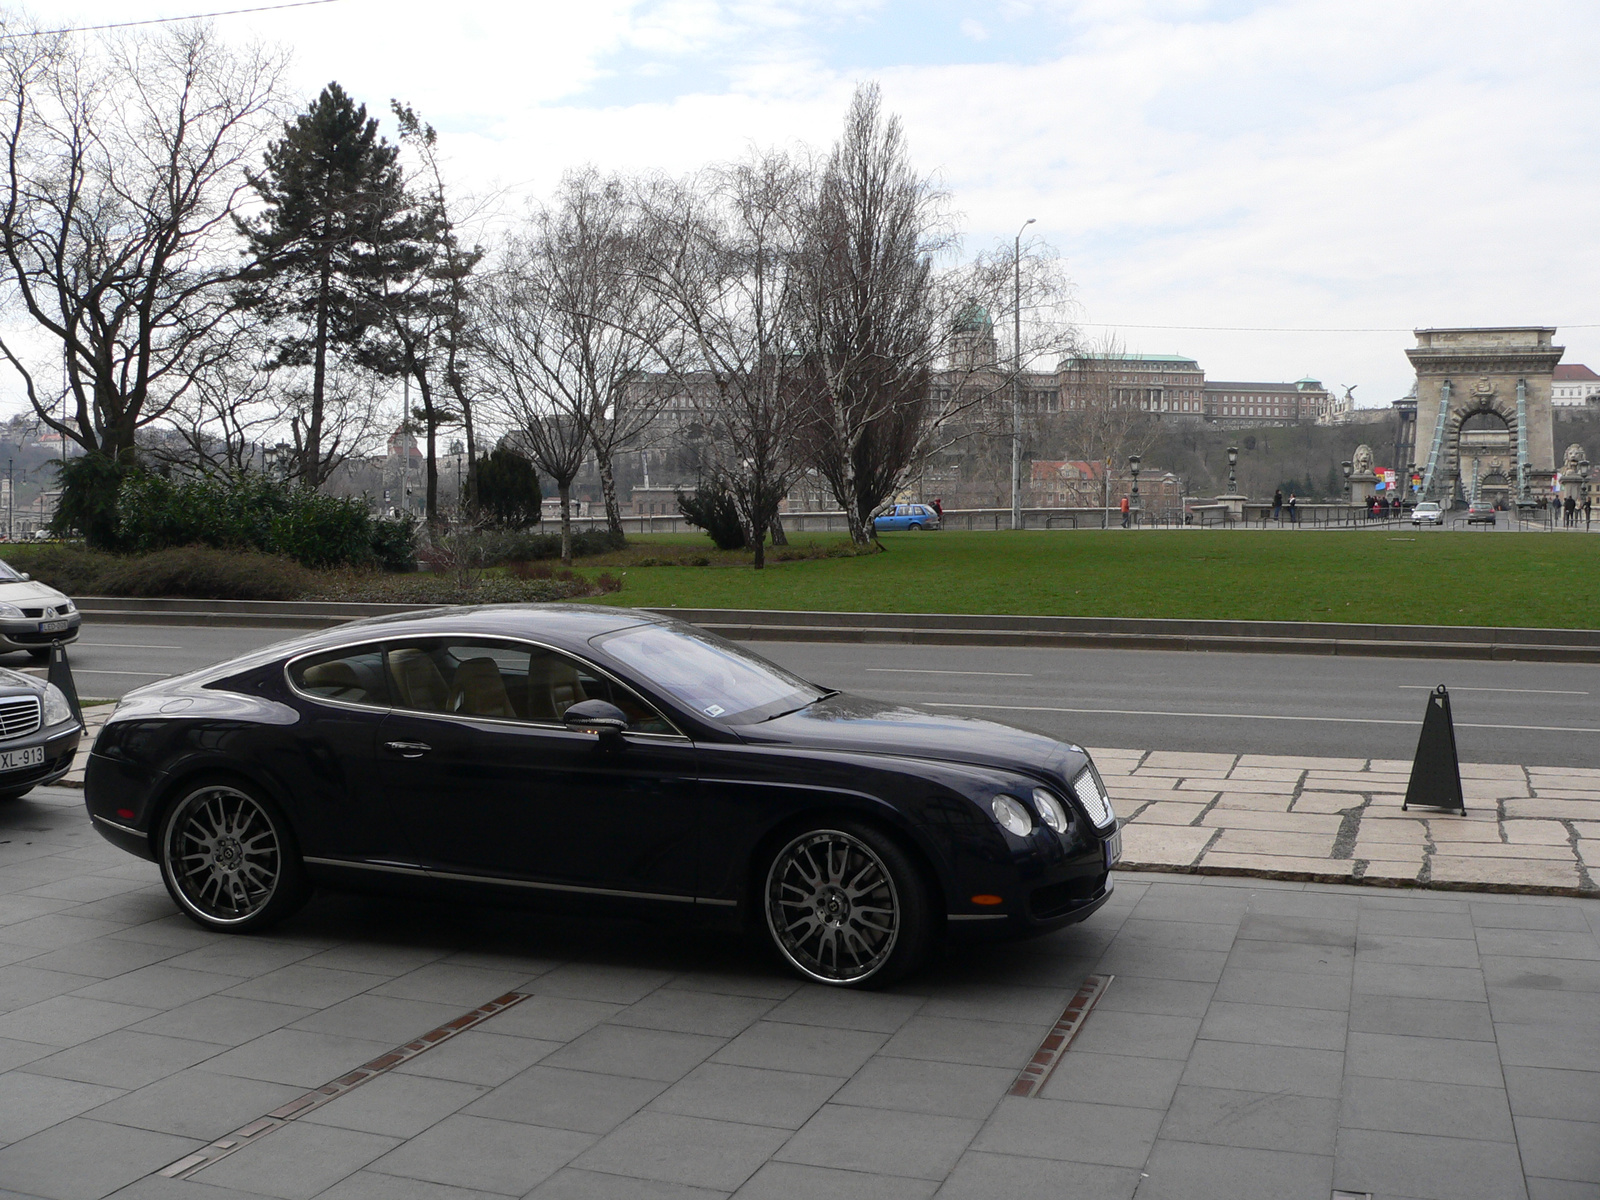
x: 408, y: 749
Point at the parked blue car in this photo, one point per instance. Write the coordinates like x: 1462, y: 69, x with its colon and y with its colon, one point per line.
x: 905, y: 516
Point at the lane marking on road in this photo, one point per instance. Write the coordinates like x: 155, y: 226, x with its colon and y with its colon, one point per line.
x: 1425, y: 687
x: 85, y: 644
x: 140, y: 674
x: 1037, y: 1073
x: 247, y: 1135
x: 929, y: 671
x: 1213, y: 716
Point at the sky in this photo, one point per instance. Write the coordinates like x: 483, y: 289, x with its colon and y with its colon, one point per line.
x: 1345, y: 169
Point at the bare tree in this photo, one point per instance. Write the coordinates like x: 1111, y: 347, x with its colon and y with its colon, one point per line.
x: 230, y: 406
x: 726, y: 262
x: 429, y: 325
x: 123, y: 163
x: 871, y: 343
x: 598, y: 242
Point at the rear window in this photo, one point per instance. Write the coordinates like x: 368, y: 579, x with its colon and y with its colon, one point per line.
x: 351, y: 676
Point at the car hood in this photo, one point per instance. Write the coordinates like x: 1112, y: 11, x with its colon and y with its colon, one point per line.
x: 29, y: 592
x: 857, y: 723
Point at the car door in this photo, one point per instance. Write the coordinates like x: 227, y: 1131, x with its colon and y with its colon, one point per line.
x: 487, y: 781
x: 327, y: 764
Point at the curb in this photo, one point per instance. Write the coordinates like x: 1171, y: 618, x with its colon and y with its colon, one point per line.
x: 1139, y: 633
x: 1484, y: 643
x: 1328, y: 877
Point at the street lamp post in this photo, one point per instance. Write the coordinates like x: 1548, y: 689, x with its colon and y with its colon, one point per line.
x: 1346, y: 467
x: 1233, y: 461
x: 1016, y: 381
x: 1133, y: 468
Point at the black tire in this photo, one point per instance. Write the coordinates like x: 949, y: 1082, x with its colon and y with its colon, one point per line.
x: 844, y: 905
x: 228, y: 857
x: 916, y: 529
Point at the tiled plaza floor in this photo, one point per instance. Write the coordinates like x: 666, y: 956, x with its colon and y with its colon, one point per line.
x: 1261, y: 1039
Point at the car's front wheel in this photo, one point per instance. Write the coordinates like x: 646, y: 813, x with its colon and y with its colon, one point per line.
x: 846, y: 906
x: 229, y: 859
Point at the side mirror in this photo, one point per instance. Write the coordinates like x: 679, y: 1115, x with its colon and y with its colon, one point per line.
x: 596, y: 716
x: 26, y: 578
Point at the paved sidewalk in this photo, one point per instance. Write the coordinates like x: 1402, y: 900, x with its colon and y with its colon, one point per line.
x: 1261, y: 1040
x: 1528, y: 829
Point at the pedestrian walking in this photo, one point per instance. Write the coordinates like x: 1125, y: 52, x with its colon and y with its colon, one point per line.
x: 1586, y: 503
x: 1294, y: 516
x: 938, y: 508
x: 1126, y: 510
x: 1277, y: 505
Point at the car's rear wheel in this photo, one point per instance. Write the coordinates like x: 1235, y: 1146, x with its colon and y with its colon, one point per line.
x: 229, y: 859
x: 916, y: 529
x: 846, y: 906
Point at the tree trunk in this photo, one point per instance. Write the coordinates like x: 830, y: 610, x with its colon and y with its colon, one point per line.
x: 469, y: 502
x: 858, y: 528
x: 608, y: 488
x: 311, y: 467
x: 759, y: 544
x: 430, y: 509
x: 564, y: 486
x: 779, y: 537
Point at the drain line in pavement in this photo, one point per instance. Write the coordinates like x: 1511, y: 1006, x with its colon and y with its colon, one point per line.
x: 298, y: 1107
x: 1034, y: 1076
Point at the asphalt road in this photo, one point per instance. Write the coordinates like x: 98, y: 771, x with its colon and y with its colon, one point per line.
x: 1531, y: 713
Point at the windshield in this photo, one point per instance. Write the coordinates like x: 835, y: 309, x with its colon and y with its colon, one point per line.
x: 708, y: 675
x: 8, y: 574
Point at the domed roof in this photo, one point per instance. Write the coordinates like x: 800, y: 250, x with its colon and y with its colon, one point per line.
x: 972, y: 317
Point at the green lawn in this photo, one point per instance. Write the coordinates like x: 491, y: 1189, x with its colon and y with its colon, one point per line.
x: 1403, y: 577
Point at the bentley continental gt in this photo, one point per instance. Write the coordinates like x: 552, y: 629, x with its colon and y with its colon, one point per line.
x: 599, y: 759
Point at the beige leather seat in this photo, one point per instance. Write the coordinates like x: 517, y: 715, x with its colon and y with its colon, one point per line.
x: 417, y: 682
x: 553, y: 687
x: 333, y: 681
x: 479, y: 690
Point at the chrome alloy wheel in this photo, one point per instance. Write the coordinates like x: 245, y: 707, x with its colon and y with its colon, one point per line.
x: 222, y: 854
x: 832, y: 907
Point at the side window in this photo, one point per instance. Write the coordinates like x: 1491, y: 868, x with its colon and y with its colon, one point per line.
x: 459, y: 675
x: 503, y: 679
x: 556, y: 683
x: 353, y: 676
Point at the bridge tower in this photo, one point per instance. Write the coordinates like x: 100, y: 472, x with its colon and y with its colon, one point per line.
x: 1484, y: 425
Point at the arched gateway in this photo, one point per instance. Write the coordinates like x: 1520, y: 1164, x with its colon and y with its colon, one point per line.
x: 1484, y: 426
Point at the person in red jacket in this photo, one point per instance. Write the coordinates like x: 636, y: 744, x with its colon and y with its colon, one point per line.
x: 1125, y: 512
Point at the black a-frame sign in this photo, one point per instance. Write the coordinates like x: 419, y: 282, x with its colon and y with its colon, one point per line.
x: 1436, y: 771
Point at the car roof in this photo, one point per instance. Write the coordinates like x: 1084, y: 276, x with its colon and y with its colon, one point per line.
x: 566, y: 626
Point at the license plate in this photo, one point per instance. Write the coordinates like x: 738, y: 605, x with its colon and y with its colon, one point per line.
x: 15, y: 760
x: 1114, y: 849
x: 53, y: 626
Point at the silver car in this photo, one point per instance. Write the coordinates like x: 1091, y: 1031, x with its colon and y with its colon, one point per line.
x: 1427, y: 513
x: 33, y: 615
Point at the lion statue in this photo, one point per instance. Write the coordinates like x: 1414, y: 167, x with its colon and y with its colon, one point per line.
x: 1361, y: 460
x: 1574, y: 456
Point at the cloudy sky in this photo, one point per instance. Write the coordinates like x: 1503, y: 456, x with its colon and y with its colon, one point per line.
x: 1333, y: 166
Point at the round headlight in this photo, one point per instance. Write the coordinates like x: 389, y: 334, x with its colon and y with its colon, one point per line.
x: 1052, y: 811
x: 1012, y: 816
x: 56, y: 708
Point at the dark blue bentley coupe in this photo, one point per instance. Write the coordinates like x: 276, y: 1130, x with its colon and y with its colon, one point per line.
x: 601, y: 758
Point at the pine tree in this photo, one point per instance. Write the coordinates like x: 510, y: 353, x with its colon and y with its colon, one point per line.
x: 338, y: 230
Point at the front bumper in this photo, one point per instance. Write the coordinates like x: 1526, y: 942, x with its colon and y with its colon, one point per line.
x: 1046, y: 885
x: 60, y: 743
x: 28, y: 633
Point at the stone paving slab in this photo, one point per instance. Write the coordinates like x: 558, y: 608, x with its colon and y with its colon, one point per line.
x: 1527, y: 829
x: 1261, y: 1037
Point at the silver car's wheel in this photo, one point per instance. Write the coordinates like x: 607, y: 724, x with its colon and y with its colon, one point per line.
x: 834, y: 906
x: 227, y: 860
